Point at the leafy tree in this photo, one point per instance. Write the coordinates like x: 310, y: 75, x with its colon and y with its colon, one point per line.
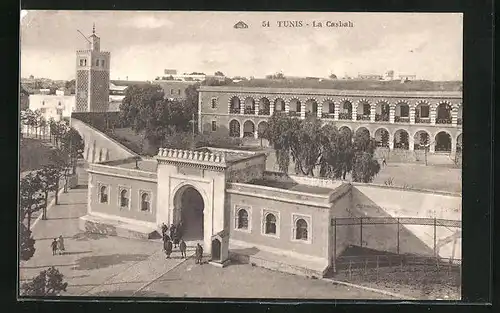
x: 365, y: 167
x: 72, y: 144
x: 30, y: 196
x: 49, y: 177
x: 48, y: 283
x: 27, y: 243
x: 333, y: 76
x: 219, y: 73
x: 308, y: 145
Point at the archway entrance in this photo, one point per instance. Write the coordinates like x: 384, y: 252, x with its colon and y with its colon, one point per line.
x: 189, y: 206
x: 443, y: 142
x: 216, y: 245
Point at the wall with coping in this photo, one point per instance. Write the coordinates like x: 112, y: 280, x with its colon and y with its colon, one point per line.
x: 113, y: 184
x: 98, y: 143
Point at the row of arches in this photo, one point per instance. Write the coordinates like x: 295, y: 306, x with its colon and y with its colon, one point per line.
x: 400, y: 139
x: 442, y: 141
x: 363, y: 109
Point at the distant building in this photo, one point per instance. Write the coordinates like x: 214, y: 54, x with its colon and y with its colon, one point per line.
x: 56, y: 107
x: 405, y: 78
x: 195, y: 77
x: 117, y: 92
x: 389, y: 75
x: 370, y: 76
x: 174, y: 89
x: 170, y: 72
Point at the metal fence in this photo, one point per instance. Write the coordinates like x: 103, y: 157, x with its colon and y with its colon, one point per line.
x: 371, y: 262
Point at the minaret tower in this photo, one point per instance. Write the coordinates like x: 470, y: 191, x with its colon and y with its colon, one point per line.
x: 92, y: 76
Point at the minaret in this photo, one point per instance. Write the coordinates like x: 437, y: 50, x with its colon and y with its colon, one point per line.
x: 92, y: 77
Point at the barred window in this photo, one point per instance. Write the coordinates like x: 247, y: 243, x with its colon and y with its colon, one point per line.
x: 301, y: 229
x: 214, y: 103
x: 124, y: 199
x: 145, y: 202
x: 242, y: 219
x: 270, y: 227
x: 103, y: 194
x: 214, y: 126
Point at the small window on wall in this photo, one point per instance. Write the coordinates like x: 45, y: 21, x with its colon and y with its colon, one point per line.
x: 145, y: 202
x: 270, y: 224
x: 301, y: 232
x: 59, y: 111
x: 97, y: 62
x: 214, y: 126
x: 124, y: 199
x: 179, y: 92
x: 214, y: 103
x: 242, y: 221
x: 102, y: 63
x: 81, y: 62
x: 103, y: 194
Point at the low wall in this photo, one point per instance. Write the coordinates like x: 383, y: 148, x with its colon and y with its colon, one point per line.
x: 99, y: 144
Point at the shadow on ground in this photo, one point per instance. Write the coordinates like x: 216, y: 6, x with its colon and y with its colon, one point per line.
x: 88, y: 236
x: 100, y: 261
x: 131, y: 293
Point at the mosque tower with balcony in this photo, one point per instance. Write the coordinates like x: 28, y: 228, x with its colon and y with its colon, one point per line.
x: 92, y: 77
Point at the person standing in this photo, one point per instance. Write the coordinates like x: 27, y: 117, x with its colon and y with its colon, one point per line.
x: 167, y: 246
x: 54, y: 246
x: 183, y: 248
x: 60, y: 244
x: 172, y: 231
x: 164, y: 229
x: 199, y: 253
x: 384, y: 163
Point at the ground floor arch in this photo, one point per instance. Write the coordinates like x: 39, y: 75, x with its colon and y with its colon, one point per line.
x: 459, y: 143
x: 189, y: 209
x: 421, y: 139
x: 442, y: 142
x: 382, y: 137
x: 261, y: 128
x: 346, y: 129
x: 248, y: 129
x: 401, y: 139
x: 362, y: 130
x: 234, y: 128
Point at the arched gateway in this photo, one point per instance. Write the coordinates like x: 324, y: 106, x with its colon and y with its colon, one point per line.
x: 188, y: 210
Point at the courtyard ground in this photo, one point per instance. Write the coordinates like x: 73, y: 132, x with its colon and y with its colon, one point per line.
x: 411, y: 175
x: 97, y: 265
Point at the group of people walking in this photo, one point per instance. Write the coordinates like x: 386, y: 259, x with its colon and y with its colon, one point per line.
x: 172, y: 237
x: 57, y: 245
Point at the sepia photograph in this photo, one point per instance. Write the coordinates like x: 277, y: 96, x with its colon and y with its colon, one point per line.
x: 240, y: 155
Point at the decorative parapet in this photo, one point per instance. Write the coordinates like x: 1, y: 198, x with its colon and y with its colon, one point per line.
x: 213, y: 160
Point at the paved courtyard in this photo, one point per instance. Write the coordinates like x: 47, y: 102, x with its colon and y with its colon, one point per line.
x: 111, y: 266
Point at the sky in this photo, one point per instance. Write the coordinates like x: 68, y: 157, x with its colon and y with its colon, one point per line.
x: 144, y: 43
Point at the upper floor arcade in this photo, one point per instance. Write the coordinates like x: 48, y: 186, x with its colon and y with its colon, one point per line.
x: 368, y: 106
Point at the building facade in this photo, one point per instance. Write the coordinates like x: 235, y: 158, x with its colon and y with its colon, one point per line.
x: 92, y: 77
x: 55, y: 107
x: 397, y: 120
x: 278, y: 221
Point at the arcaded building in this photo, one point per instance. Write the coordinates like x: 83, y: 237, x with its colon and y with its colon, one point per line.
x: 397, y: 120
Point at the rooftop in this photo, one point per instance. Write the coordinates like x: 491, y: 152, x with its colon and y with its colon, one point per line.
x: 291, y: 186
x: 143, y: 165
x: 352, y: 84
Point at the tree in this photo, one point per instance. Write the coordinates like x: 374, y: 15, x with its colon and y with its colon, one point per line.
x: 72, y: 144
x: 218, y: 73
x: 365, y: 167
x: 333, y: 76
x: 308, y: 145
x: 48, y: 283
x: 27, y: 243
x: 49, y: 177
x: 30, y: 196
x: 70, y: 86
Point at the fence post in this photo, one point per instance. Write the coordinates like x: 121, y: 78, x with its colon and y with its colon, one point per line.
x: 398, y: 235
x: 435, y: 246
x: 334, y: 244
x: 361, y: 232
